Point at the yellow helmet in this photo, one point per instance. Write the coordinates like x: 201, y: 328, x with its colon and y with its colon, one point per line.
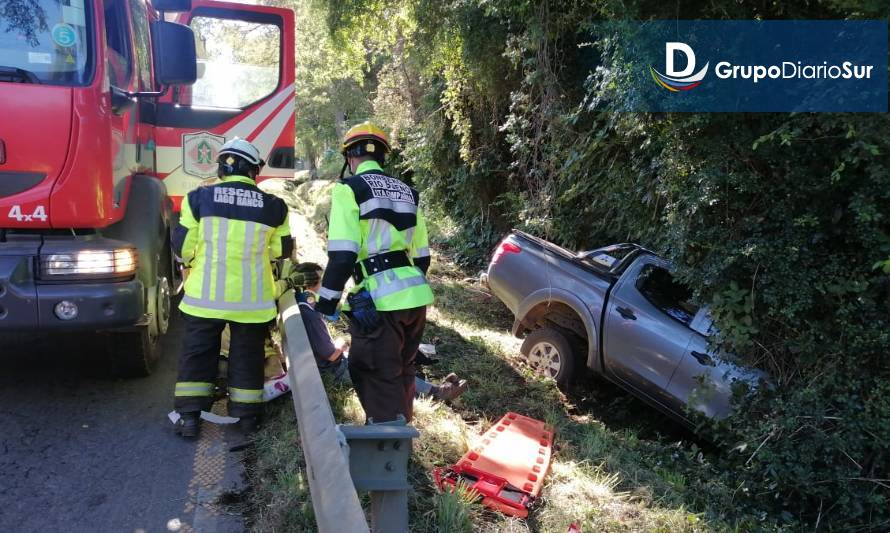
x: 366, y: 131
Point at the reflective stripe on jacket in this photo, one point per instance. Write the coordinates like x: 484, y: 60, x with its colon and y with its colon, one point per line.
x: 372, y: 213
x: 228, y: 234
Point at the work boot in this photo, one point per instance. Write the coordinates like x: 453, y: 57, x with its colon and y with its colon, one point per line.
x: 189, y: 425
x: 452, y: 378
x: 448, y: 390
x: 247, y: 427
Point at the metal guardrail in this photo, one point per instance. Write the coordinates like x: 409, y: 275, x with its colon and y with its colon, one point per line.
x: 378, y: 454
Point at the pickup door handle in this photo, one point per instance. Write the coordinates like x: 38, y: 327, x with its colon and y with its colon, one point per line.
x: 626, y: 313
x: 703, y: 358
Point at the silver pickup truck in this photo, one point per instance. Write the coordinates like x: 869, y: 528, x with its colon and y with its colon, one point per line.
x: 618, y: 311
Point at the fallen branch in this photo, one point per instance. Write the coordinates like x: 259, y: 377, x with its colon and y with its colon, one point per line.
x: 771, y: 433
x: 882, y: 482
x: 818, y: 518
x: 859, y: 466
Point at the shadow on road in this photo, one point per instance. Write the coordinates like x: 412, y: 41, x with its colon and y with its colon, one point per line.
x: 29, y: 355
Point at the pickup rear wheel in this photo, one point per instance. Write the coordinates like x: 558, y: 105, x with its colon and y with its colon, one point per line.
x: 550, y: 353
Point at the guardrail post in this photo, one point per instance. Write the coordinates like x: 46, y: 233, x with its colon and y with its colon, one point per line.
x: 389, y: 511
x: 378, y: 462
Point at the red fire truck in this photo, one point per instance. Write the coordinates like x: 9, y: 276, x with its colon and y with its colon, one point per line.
x: 110, y: 112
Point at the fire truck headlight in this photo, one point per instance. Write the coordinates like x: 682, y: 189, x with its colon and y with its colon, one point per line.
x: 90, y: 264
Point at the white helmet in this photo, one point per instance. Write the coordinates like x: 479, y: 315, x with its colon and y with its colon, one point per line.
x: 242, y: 149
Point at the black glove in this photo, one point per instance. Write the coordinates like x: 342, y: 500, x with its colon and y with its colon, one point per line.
x: 363, y: 312
x: 310, y: 278
x: 298, y: 280
x: 295, y: 281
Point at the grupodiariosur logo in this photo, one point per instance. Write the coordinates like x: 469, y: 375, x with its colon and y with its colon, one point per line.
x: 678, y: 80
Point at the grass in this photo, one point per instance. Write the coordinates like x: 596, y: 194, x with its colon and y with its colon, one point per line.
x: 279, y: 497
x: 454, y: 509
x: 617, y: 465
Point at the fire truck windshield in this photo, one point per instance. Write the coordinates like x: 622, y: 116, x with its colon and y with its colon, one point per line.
x: 45, y: 41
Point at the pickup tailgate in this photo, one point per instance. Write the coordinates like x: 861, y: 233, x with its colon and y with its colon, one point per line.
x: 517, y: 269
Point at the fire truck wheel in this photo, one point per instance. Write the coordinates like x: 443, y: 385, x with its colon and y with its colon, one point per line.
x: 134, y: 353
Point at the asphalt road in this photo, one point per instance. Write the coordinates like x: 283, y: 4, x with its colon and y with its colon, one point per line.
x: 82, y: 451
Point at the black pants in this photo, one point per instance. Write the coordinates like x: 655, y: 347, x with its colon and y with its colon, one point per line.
x: 199, y: 363
x: 381, y: 364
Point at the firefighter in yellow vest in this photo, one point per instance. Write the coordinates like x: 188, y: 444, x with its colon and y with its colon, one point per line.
x: 377, y: 234
x: 228, y: 234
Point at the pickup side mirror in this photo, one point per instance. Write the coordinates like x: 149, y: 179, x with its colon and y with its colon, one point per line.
x: 173, y: 46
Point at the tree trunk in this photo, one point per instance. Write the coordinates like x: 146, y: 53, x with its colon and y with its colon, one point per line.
x: 311, y: 155
x: 340, y: 123
x: 409, y: 83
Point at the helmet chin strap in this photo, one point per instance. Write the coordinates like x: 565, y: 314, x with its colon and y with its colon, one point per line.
x: 345, y: 166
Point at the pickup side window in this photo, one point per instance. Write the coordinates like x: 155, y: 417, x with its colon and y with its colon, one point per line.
x: 230, y: 74
x: 120, y: 63
x: 674, y: 299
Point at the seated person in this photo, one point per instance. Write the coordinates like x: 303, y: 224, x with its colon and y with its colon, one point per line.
x: 331, y: 355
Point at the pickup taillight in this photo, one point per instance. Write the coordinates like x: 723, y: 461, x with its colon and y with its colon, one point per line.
x: 504, y: 248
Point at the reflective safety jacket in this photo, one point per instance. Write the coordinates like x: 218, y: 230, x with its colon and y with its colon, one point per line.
x: 371, y: 214
x: 228, y: 233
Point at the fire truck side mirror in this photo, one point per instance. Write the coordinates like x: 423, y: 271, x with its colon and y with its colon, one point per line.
x: 173, y: 46
x: 121, y: 101
x: 172, y: 5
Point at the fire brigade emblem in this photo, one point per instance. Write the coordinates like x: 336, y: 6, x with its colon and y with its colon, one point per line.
x: 199, y: 153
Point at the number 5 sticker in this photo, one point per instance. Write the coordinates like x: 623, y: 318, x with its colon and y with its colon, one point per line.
x: 39, y: 214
